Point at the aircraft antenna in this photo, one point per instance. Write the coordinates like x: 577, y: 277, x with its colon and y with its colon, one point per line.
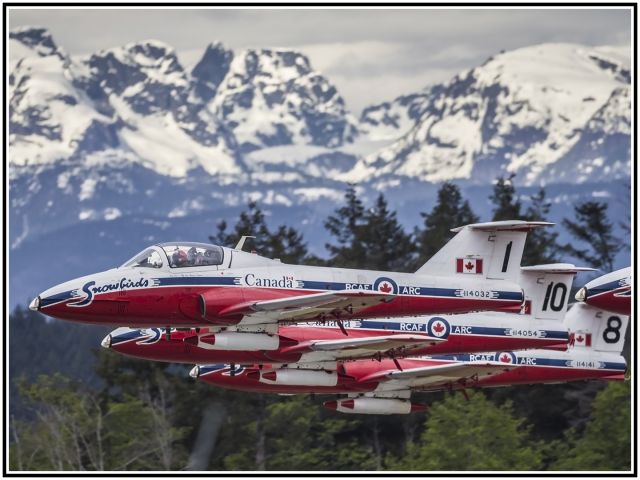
x: 243, y: 238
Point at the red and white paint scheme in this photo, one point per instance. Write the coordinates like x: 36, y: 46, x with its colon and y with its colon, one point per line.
x: 192, y: 285
x: 538, y: 325
x: 611, y: 292
x: 372, y: 384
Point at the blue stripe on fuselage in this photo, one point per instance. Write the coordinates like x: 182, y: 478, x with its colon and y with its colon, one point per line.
x: 56, y: 298
x: 455, y: 329
x: 336, y: 286
x: 532, y: 361
x: 126, y: 337
x: 607, y: 287
x: 188, y: 281
x: 206, y: 369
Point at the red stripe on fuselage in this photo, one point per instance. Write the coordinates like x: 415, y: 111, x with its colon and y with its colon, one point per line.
x: 457, y: 343
x: 243, y: 383
x: 611, y: 302
x: 543, y: 374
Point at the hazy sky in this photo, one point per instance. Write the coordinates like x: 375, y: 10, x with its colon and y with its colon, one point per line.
x: 372, y: 55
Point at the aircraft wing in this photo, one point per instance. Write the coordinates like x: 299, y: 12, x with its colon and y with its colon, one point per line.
x: 374, y: 343
x: 309, y: 307
x: 446, y: 373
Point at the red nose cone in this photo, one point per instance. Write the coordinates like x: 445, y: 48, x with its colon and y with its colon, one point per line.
x: 210, y: 339
x: 331, y: 405
x: 270, y: 376
x: 193, y: 340
x: 418, y: 407
x: 347, y: 403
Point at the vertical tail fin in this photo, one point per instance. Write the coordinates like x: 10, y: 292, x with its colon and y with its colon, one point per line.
x: 591, y: 327
x: 547, y: 289
x: 491, y: 250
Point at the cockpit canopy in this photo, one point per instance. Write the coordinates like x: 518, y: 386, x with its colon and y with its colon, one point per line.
x: 178, y: 255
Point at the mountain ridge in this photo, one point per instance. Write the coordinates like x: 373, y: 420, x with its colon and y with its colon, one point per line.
x: 140, y: 105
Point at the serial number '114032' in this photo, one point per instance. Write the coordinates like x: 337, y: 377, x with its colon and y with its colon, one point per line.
x: 477, y: 293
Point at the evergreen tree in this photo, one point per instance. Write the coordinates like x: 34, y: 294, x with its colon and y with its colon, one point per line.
x: 507, y: 206
x: 593, y: 230
x: 470, y: 435
x: 541, y: 246
x: 625, y: 224
x: 450, y: 211
x: 251, y: 222
x: 285, y: 243
x: 301, y: 437
x: 76, y: 428
x: 386, y: 244
x: 371, y: 238
x: 346, y: 225
x: 605, y: 443
x: 550, y: 409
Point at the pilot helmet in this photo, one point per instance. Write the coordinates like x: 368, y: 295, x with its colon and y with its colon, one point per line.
x: 179, y: 257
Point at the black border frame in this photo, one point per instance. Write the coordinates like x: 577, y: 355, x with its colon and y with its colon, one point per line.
x: 634, y: 236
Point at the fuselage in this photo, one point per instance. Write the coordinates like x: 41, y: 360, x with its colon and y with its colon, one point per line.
x: 533, y: 366
x: 473, y: 332
x: 145, y: 294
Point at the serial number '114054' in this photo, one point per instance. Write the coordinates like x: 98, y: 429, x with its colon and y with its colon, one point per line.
x: 516, y: 332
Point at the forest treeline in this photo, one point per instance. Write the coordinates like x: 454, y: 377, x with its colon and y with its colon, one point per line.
x: 110, y: 412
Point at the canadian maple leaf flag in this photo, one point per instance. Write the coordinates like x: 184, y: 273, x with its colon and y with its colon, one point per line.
x: 469, y: 265
x: 582, y: 339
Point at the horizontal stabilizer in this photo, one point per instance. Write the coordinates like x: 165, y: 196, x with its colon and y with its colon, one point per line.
x: 557, y: 268
x: 504, y: 226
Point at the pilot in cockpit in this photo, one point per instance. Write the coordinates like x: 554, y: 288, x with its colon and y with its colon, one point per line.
x: 194, y: 257
x: 179, y: 258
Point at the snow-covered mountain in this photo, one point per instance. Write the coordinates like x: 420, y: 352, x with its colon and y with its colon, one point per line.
x: 137, y: 104
x: 128, y: 137
x: 130, y: 104
x: 544, y: 112
x: 272, y: 97
x: 548, y: 112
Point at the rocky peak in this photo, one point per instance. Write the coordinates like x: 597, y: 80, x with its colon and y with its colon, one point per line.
x: 617, y: 69
x: 38, y: 39
x: 270, y: 65
x: 147, y: 75
x: 122, y: 67
x: 211, y: 70
x: 273, y: 97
